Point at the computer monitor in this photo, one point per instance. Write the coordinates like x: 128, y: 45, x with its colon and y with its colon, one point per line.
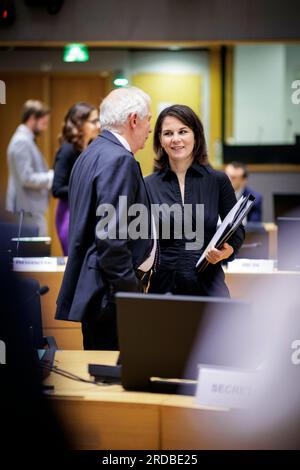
x: 30, y: 247
x: 288, y: 243
x: 9, y: 231
x: 256, y: 243
x: 286, y: 205
x: 168, y: 336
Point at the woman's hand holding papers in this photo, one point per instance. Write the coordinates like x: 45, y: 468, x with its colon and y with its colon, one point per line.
x: 214, y: 255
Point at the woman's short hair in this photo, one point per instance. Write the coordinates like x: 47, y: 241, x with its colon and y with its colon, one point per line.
x: 119, y: 104
x: 190, y: 119
x: 72, y: 130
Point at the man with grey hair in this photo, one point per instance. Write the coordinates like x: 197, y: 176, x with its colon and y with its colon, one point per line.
x: 105, y: 174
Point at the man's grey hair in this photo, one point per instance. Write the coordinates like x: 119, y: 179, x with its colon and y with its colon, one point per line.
x: 119, y: 104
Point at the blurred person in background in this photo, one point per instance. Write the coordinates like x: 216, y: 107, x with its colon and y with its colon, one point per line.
x: 237, y: 172
x: 29, y: 178
x: 81, y: 125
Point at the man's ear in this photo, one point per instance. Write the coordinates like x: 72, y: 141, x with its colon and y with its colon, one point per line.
x: 133, y: 120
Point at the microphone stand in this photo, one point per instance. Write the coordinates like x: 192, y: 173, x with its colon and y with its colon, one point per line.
x: 19, y: 231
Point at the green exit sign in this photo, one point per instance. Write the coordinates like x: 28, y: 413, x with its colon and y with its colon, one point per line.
x: 76, y: 53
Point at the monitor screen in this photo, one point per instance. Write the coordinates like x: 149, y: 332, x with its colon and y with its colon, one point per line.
x: 286, y: 205
x: 288, y: 243
x: 168, y: 336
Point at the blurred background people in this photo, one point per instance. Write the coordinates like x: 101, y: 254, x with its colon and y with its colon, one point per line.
x: 238, y: 175
x: 184, y: 176
x: 29, y: 178
x: 81, y: 125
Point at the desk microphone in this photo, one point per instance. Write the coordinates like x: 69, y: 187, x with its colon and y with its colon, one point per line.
x: 19, y: 231
x: 41, y: 291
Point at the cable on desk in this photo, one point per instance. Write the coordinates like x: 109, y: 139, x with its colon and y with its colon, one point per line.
x: 69, y: 375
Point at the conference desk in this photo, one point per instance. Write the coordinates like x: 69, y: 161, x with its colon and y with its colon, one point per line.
x: 108, y: 417
x: 242, y: 285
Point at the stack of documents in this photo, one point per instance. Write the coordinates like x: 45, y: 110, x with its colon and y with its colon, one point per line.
x: 229, y: 225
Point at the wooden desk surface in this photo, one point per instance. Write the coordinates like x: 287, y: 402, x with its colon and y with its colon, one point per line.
x: 108, y: 417
x: 77, y: 362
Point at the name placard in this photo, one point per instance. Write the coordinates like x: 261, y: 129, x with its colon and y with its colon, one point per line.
x: 226, y: 388
x: 39, y: 264
x: 251, y: 266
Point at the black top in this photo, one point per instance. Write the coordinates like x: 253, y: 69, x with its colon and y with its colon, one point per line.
x: 203, y: 185
x: 64, y: 162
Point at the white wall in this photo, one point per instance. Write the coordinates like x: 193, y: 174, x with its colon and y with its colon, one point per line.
x: 259, y: 94
x: 292, y: 110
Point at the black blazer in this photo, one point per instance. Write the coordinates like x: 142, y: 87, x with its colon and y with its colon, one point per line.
x: 95, y: 268
x: 64, y: 162
x: 177, y: 272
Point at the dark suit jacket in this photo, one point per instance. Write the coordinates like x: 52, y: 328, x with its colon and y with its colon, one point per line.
x: 95, y: 268
x: 255, y: 215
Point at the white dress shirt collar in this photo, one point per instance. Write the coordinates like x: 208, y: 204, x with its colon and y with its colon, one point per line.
x: 122, y: 140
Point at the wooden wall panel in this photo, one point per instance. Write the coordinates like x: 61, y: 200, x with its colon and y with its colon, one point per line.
x: 19, y: 88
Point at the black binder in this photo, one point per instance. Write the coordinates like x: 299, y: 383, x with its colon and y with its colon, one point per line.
x: 229, y: 225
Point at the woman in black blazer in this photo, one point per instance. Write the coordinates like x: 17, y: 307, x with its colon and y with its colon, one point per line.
x: 184, y: 177
x: 81, y: 125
